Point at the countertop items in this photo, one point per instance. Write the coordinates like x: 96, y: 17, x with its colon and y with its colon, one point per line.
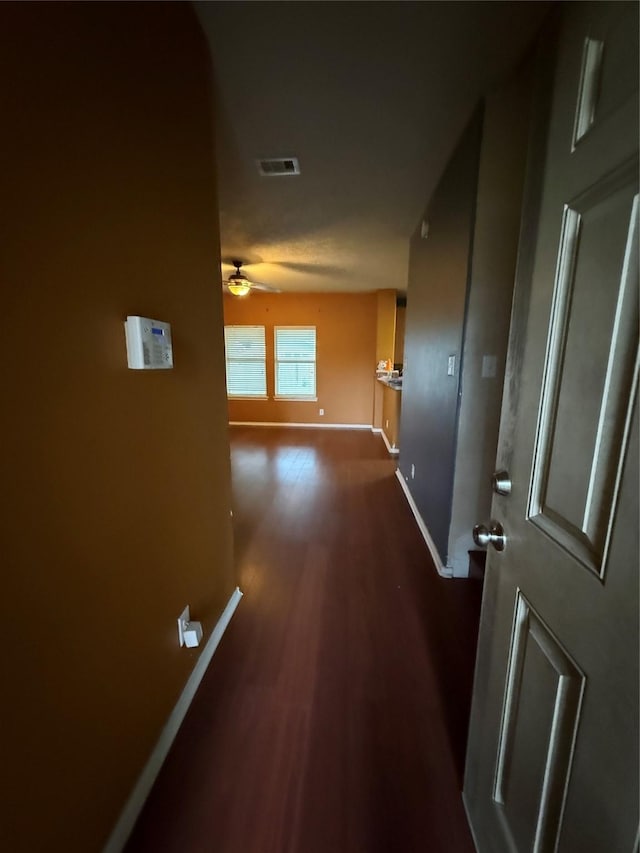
x: 394, y: 382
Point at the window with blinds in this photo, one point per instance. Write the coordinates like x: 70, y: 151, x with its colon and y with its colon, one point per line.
x: 246, y: 361
x: 295, y: 361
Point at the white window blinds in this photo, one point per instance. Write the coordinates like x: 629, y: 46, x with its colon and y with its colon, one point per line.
x: 245, y: 357
x: 295, y: 361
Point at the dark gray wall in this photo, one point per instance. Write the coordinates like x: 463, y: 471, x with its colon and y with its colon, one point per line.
x: 493, y: 267
x: 437, y: 289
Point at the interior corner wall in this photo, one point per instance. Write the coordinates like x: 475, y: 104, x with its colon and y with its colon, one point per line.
x: 498, y: 212
x: 345, y: 355
x: 436, y: 298
x: 115, y: 506
x: 385, y: 346
x: 398, y: 353
x: 386, y: 324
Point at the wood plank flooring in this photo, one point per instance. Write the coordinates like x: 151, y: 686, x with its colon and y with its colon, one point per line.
x: 333, y: 716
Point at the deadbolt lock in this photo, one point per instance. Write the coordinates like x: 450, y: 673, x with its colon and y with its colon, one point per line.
x: 501, y: 483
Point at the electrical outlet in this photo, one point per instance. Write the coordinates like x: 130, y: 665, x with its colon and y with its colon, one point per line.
x: 183, y: 620
x: 413, y: 471
x: 386, y: 424
x: 321, y: 412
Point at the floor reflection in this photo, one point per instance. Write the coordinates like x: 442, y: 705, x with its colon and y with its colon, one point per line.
x: 295, y: 464
x: 280, y: 466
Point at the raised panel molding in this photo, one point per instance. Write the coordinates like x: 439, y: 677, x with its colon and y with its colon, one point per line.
x: 559, y: 715
x: 589, y: 85
x: 593, y: 477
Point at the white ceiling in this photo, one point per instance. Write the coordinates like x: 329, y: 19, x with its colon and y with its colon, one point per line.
x: 371, y: 97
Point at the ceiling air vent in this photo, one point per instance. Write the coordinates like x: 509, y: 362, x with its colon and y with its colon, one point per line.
x: 277, y: 166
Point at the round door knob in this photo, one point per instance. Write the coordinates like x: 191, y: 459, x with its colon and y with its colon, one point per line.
x: 492, y: 535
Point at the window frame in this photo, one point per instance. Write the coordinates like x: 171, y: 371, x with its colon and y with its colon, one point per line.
x: 312, y: 397
x: 248, y: 360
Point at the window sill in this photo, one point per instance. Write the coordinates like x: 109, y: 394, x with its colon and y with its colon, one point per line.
x: 298, y: 399
x: 245, y: 397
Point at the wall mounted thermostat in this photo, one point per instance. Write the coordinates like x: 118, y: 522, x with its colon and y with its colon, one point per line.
x: 148, y: 344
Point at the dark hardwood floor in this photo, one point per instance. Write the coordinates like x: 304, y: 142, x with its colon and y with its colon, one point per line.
x: 333, y: 716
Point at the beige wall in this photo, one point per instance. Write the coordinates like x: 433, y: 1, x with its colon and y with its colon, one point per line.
x: 346, y: 348
x: 115, y: 500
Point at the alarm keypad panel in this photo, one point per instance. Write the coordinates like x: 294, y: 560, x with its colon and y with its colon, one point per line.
x: 148, y: 344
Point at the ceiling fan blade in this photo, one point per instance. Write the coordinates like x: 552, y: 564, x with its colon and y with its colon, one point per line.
x: 267, y: 288
x: 312, y: 268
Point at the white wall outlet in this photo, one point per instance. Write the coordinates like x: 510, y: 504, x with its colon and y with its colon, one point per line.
x: 451, y: 366
x: 386, y: 424
x: 183, y: 621
x: 192, y: 634
x: 413, y: 471
x: 321, y: 412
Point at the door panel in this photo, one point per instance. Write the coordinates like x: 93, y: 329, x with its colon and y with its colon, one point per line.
x: 601, y: 812
x: 605, y: 86
x: 589, y: 368
x: 539, y: 722
x: 552, y: 762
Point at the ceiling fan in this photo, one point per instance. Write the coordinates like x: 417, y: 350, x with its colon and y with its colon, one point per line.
x: 239, y: 285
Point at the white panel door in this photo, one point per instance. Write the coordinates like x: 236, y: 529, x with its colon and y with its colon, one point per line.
x: 552, y: 761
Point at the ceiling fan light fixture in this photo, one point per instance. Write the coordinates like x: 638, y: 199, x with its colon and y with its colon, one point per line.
x: 239, y: 288
x: 238, y: 283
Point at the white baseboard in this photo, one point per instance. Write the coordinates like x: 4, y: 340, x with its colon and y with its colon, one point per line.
x: 142, y: 788
x: 304, y: 426
x: 441, y: 569
x: 394, y: 451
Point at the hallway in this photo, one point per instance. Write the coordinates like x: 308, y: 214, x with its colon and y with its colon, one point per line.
x: 333, y: 716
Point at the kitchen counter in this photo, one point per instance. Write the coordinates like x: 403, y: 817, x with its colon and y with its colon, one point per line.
x: 394, y: 383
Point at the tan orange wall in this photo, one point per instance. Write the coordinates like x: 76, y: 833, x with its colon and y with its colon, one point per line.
x: 386, y: 324
x: 385, y: 343
x: 345, y: 357
x: 398, y: 355
x: 391, y: 403
x: 115, y: 493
